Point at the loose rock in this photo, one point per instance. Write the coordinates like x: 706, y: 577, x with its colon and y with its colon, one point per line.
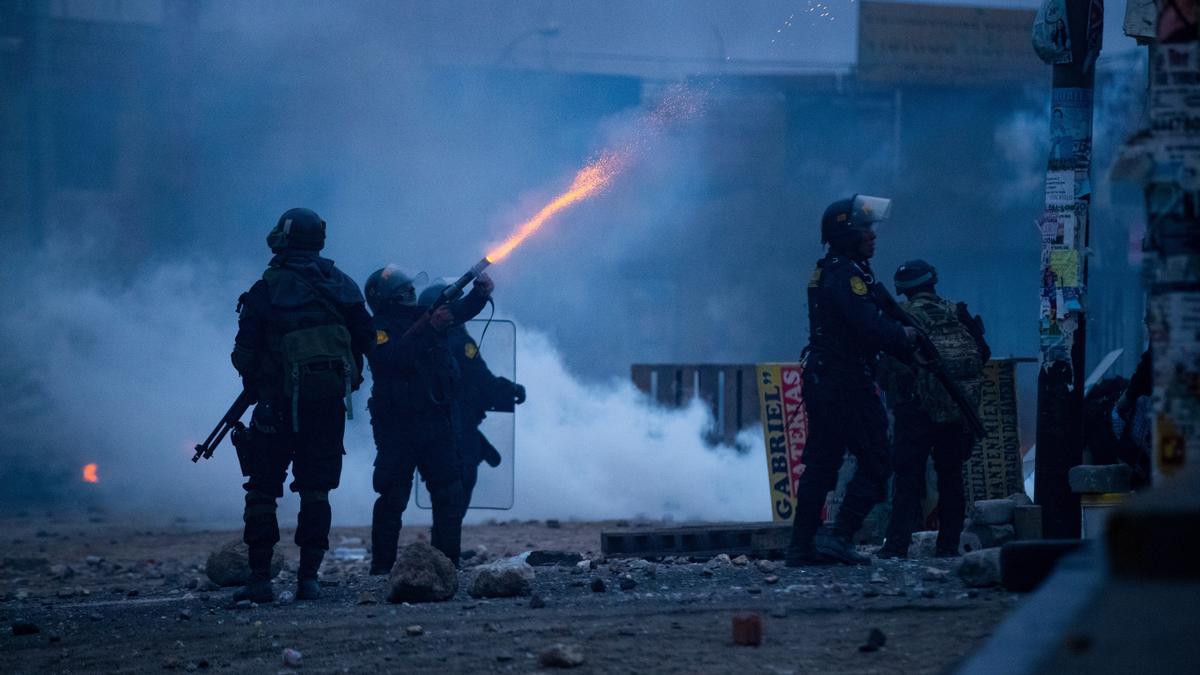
x: 414, y: 631
x: 560, y: 656
x: 991, y: 536
x: 993, y: 511
x: 422, y: 574
x: 292, y: 658
x: 875, y: 641
x: 545, y: 558
x: 230, y: 566
x: 747, y: 629
x: 536, y: 602
x: 765, y: 566
x: 980, y: 568
x: 502, y: 579
x: 598, y: 585
x: 935, y: 574
x: 627, y: 582
x: 741, y: 561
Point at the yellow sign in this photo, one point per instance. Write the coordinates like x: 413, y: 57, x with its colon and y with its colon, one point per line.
x: 785, y: 431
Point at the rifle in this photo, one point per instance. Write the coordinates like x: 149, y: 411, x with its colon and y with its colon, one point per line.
x: 229, y: 422
x: 930, y: 359
x: 449, y: 294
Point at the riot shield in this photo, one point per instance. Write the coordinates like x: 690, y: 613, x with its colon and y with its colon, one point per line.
x: 494, y: 488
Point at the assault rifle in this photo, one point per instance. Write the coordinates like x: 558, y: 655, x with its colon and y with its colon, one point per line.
x: 929, y: 358
x: 229, y: 422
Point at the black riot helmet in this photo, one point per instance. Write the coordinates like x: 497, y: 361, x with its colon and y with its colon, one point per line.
x: 845, y: 220
x: 430, y: 293
x: 914, y: 276
x: 297, y: 229
x: 392, y: 287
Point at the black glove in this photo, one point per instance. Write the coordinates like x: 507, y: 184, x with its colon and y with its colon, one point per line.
x: 518, y: 393
x: 488, y: 451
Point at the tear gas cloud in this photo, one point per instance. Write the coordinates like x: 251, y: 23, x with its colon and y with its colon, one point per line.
x: 119, y: 318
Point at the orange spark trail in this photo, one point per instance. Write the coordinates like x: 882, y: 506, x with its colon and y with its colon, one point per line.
x: 89, y: 473
x: 590, y: 180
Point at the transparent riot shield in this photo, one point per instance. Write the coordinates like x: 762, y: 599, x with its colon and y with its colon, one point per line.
x: 494, y: 487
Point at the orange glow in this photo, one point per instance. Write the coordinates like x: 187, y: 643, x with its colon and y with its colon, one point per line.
x: 89, y: 473
x: 590, y: 180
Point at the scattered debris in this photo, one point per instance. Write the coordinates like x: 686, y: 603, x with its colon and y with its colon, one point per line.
x: 229, y: 565
x: 980, y: 568
x: 935, y: 574
x: 765, y: 566
x: 422, y: 574
x: 502, y: 579
x: 367, y: 598
x: 741, y: 561
x: 627, y: 582
x: 993, y: 511
x: 875, y: 641
x: 747, y: 629
x: 184, y: 615
x: 598, y: 585
x: 560, y: 656
x: 542, y: 558
x: 770, y: 579
x: 414, y: 630
x: 285, y: 598
x: 25, y: 628
x: 292, y: 658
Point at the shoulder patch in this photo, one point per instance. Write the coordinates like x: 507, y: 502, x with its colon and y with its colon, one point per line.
x: 471, y: 350
x: 815, y: 279
x: 381, y: 337
x: 858, y: 285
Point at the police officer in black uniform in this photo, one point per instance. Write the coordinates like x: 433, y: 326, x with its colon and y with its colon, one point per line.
x: 302, y: 332
x: 846, y: 333
x: 412, y: 409
x: 479, y: 392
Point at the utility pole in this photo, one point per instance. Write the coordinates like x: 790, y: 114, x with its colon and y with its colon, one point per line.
x: 1071, y: 43
x: 1172, y: 191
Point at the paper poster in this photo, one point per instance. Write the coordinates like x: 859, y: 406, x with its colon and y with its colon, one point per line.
x: 1051, y: 36
x: 1070, y: 132
x: 1064, y: 263
x: 1060, y: 188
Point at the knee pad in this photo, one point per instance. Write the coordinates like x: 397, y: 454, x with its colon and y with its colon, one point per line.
x: 314, y: 496
x: 259, y: 504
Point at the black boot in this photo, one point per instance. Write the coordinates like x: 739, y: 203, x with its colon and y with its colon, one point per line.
x: 307, y: 587
x: 804, y: 556
x: 839, y: 549
x: 258, y: 586
x: 385, y: 534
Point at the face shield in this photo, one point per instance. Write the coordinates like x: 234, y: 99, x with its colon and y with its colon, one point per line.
x: 402, y: 284
x: 867, y: 210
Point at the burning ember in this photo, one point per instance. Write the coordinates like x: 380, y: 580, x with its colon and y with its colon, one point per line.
x: 89, y: 473
x: 590, y: 180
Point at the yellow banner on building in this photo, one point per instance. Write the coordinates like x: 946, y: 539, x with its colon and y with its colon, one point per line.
x: 785, y: 431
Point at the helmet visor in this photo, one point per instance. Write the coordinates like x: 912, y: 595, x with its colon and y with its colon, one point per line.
x: 867, y: 210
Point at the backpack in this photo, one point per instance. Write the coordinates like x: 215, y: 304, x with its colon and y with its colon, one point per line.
x: 959, y: 352
x: 315, y: 354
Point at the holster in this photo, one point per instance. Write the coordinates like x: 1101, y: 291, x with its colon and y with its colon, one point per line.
x: 243, y: 442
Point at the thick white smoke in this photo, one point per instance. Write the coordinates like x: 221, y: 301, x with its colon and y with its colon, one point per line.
x: 132, y: 378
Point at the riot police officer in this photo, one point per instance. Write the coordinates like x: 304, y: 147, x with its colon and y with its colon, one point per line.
x: 479, y: 392
x: 302, y: 332
x: 414, y: 382
x: 927, y: 422
x: 846, y: 333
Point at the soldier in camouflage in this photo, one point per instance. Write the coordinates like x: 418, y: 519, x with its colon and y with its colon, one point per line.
x: 927, y: 422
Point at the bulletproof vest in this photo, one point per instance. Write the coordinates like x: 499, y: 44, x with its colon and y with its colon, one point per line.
x: 835, y: 347
x: 308, y: 356
x: 412, y: 378
x: 958, y: 350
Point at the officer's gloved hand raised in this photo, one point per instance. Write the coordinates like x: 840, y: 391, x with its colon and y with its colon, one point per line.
x: 484, y: 284
x: 518, y: 393
x: 441, y: 318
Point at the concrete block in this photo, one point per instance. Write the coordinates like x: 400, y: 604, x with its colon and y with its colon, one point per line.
x: 967, y: 542
x: 1100, y: 478
x: 1027, y: 521
x: 980, y: 568
x: 1157, y: 535
x: 993, y: 535
x: 923, y: 545
x: 1020, y: 499
x: 993, y: 511
x: 1025, y: 564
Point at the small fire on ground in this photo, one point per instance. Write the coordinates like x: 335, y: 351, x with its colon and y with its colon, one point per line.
x: 89, y: 473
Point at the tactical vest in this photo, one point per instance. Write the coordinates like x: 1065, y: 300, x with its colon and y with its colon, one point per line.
x: 309, y: 357
x: 959, y: 352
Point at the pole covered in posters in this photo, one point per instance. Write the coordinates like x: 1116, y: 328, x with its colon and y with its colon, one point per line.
x: 1172, y: 191
x: 1067, y: 35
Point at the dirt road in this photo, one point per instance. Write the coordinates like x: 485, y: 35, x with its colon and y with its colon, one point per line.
x: 109, y: 596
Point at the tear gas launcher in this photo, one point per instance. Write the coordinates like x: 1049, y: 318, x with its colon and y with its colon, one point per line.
x: 930, y: 359
x: 449, y: 294
x: 230, y: 422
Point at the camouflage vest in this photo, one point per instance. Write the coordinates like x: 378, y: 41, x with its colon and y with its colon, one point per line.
x: 959, y: 352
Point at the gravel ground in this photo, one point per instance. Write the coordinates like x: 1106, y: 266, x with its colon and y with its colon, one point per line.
x: 112, y: 597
